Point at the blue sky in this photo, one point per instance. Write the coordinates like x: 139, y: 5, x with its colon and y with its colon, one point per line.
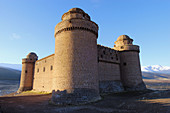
x: 28, y: 25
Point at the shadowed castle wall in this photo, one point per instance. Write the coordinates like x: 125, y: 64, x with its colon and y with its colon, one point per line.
x: 130, y: 70
x: 43, y: 74
x: 109, y: 70
x: 108, y: 64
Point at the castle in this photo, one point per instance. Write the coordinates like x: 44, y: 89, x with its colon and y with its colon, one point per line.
x: 80, y: 70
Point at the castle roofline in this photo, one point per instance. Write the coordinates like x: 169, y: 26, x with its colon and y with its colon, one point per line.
x: 75, y: 13
x: 105, y: 46
x: 45, y: 58
x: 124, y: 37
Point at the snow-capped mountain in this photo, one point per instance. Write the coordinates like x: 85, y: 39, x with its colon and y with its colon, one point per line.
x: 11, y: 66
x: 156, y: 69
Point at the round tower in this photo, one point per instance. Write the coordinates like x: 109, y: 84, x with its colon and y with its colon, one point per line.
x: 28, y: 64
x: 75, y: 62
x: 130, y: 68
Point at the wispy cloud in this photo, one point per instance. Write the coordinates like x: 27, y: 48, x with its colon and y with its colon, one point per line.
x: 15, y: 36
x: 95, y: 1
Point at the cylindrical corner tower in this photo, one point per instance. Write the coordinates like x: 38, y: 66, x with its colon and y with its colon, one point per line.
x: 28, y: 64
x: 130, y: 68
x: 75, y: 62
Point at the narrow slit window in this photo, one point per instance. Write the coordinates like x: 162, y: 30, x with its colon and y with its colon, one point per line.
x: 104, y: 52
x: 51, y: 67
x: 44, y: 69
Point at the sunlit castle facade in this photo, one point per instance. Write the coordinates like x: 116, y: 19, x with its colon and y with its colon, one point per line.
x: 80, y: 69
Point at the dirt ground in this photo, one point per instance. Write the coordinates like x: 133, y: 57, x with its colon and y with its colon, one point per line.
x: 127, y: 102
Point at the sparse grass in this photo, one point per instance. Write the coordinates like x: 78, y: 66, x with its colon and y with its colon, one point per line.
x: 36, y: 92
x: 157, y: 84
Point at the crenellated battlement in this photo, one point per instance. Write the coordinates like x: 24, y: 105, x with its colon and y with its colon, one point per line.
x: 76, y: 19
x: 127, y: 48
x: 106, y: 54
x: 76, y: 24
x: 27, y: 60
x: 77, y: 28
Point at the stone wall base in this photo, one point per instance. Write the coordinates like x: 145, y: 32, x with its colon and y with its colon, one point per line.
x: 138, y: 87
x: 110, y: 86
x: 76, y: 97
x: 21, y: 89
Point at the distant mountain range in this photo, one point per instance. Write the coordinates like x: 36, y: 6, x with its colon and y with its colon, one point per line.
x: 156, y: 69
x: 158, y: 72
x: 12, y: 66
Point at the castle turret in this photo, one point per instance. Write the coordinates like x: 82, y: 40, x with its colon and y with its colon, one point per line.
x: 75, y: 62
x: 130, y: 69
x: 28, y: 64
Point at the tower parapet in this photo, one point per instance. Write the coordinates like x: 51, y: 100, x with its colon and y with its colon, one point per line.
x: 76, y: 19
x: 75, y: 61
x: 125, y: 43
x: 130, y: 69
x: 28, y: 65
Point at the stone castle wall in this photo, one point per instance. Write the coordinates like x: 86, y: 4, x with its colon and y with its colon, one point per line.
x: 131, y: 75
x: 43, y: 74
x: 108, y: 69
x: 78, y: 62
x: 27, y: 80
x: 108, y: 64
